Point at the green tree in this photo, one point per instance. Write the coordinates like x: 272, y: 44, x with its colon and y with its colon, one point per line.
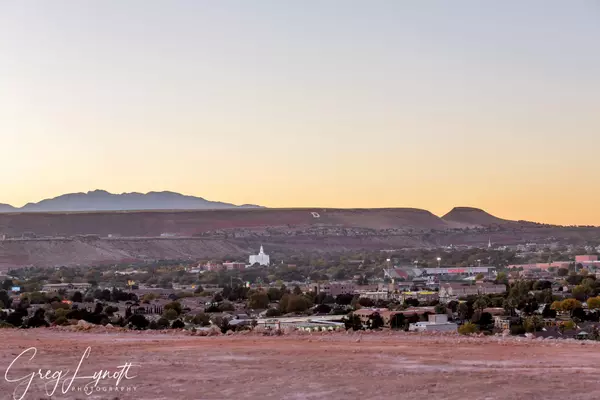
x: 175, y: 306
x: 259, y: 300
x: 593, y: 303
x: 170, y: 314
x: 480, y: 303
x: 297, y: 303
x: 463, y: 311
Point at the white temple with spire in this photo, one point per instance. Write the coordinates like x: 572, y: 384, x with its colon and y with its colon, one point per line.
x: 261, y: 258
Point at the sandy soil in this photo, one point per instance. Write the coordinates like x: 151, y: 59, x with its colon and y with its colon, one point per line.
x: 329, y: 366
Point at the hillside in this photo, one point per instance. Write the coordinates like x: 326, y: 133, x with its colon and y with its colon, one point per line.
x: 473, y: 216
x: 190, y: 223
x: 100, y: 200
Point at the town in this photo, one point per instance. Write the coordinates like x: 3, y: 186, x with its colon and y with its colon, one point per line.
x: 523, y: 290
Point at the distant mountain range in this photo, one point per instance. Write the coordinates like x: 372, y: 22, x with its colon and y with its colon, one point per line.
x: 101, y: 200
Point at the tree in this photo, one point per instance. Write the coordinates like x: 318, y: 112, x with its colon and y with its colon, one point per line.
x: 366, y: 302
x: 467, y: 328
x: 273, y: 312
x: 353, y: 322
x: 440, y: 309
x: 480, y: 303
x: 581, y: 292
x: 274, y: 294
x: 375, y: 321
x: 533, y: 324
x: 568, y: 305
x: 7, y: 284
x: 322, y: 309
x: 162, y: 323
x: 178, y: 324
x: 344, y: 299
x: 562, y: 272
x: 259, y: 300
x: 5, y: 299
x: 138, y: 321
x: 38, y: 319
x: 297, y: 290
x: 175, y: 306
x: 397, y: 321
x: 170, y: 314
x: 479, y: 277
x: 593, y: 303
x: 77, y: 297
x: 297, y: 303
x: 463, y: 311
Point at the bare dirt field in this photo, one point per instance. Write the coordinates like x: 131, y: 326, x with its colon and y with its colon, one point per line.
x: 328, y: 366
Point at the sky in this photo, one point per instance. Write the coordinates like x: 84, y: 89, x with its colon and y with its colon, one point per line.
x: 333, y: 103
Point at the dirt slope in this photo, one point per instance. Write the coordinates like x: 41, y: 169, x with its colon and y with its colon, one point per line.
x: 334, y: 367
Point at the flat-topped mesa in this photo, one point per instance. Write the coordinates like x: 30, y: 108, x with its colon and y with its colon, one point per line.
x: 473, y: 216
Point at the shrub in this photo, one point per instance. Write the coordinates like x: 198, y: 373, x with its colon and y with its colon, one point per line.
x: 467, y: 328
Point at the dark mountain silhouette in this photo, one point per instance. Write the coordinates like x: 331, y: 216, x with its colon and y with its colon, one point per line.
x: 473, y: 216
x: 101, y: 200
x: 7, y: 208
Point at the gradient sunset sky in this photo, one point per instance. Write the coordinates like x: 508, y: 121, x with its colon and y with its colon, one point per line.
x: 428, y: 104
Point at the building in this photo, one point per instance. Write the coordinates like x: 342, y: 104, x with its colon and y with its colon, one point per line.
x: 586, y: 258
x: 452, y: 291
x: 261, y: 258
x: 541, y: 266
x: 421, y: 295
x: 53, y: 287
x: 378, y: 295
x: 333, y: 288
x: 234, y: 265
x: 435, y: 323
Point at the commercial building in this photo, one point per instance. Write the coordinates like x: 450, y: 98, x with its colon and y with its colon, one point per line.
x: 261, y: 258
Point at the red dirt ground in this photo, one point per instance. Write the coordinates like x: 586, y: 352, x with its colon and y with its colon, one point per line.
x: 328, y: 366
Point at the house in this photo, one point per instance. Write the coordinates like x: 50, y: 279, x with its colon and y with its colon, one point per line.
x: 435, y: 323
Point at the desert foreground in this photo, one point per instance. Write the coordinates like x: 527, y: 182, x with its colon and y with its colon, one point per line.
x: 320, y: 366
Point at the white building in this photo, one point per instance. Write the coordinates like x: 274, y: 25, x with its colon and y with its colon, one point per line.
x: 436, y: 323
x: 261, y: 258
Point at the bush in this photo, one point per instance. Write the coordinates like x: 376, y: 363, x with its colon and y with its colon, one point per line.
x: 467, y: 328
x: 273, y: 312
x: 61, y: 321
x: 517, y: 329
x: 226, y: 306
x: 162, y: 323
